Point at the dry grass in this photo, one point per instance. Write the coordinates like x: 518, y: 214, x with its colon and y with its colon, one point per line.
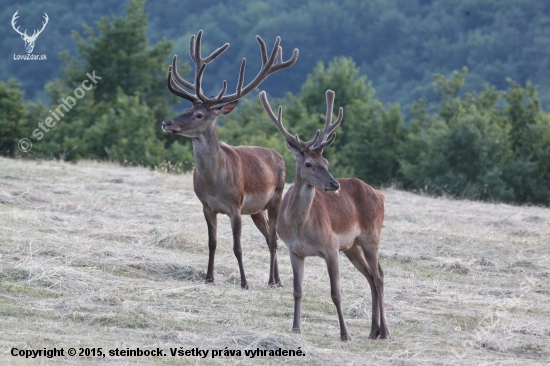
x: 96, y: 255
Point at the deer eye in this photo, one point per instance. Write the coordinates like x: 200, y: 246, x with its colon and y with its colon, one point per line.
x: 308, y: 165
x: 199, y: 115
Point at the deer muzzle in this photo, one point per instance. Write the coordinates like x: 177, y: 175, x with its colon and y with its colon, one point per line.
x: 333, y: 186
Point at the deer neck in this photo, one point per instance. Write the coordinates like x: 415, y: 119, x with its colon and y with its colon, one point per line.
x: 301, y: 200
x: 209, y: 157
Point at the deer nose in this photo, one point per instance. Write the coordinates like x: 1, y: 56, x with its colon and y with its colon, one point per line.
x: 166, y: 124
x: 335, y: 185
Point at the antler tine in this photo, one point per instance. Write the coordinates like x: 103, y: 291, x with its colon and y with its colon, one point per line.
x: 215, y: 54
x: 263, y: 49
x: 175, y: 89
x: 37, y: 32
x: 177, y: 76
x: 240, y: 82
x: 13, y: 21
x: 222, y: 92
x: 198, y: 89
x: 192, y: 48
x: 200, y: 64
x: 268, y: 67
x: 283, y: 65
x: 278, y: 120
x: 329, y: 127
x: 313, y: 141
x: 279, y: 56
x: 198, y: 60
x: 46, y: 18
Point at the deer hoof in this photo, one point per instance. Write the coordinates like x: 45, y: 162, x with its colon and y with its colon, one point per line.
x: 345, y: 337
x: 296, y: 331
x: 209, y: 280
x: 385, y: 334
x: 374, y: 334
x: 244, y: 286
x: 275, y: 284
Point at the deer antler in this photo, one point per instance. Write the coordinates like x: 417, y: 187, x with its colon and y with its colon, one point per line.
x: 278, y: 120
x: 269, y: 66
x: 37, y: 32
x: 329, y: 127
x: 13, y: 19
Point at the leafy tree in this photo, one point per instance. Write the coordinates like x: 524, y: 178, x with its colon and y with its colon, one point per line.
x: 12, y: 116
x: 491, y: 145
x: 369, y: 139
x: 119, y: 118
x: 528, y: 172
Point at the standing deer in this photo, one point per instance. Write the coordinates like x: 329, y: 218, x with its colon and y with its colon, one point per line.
x: 321, y: 216
x: 29, y: 40
x: 230, y: 180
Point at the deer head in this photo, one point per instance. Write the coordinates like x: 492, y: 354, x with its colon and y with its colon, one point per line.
x: 29, y: 40
x: 310, y: 164
x: 203, y: 113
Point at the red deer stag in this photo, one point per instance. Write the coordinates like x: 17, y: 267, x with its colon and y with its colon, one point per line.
x: 320, y: 216
x: 230, y: 180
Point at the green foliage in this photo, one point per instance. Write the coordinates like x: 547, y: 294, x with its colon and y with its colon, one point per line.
x: 121, y: 54
x: 249, y: 125
x: 462, y: 139
x: 12, y: 114
x: 119, y: 119
x: 398, y: 43
x: 528, y: 172
x: 489, y: 145
x: 474, y: 148
x: 369, y: 139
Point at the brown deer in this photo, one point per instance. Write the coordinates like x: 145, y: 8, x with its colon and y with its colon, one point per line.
x: 321, y: 216
x: 230, y: 180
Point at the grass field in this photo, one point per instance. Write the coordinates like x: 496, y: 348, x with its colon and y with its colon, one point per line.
x: 98, y: 255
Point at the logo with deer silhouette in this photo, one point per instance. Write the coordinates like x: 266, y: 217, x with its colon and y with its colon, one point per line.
x: 29, y: 40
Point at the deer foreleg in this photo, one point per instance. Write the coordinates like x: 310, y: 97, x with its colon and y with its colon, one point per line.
x: 298, y: 272
x: 212, y: 222
x: 236, y: 226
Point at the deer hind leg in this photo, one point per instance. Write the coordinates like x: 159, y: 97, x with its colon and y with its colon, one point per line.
x: 298, y: 280
x: 333, y: 266
x: 356, y: 256
x: 236, y: 227
x: 212, y: 222
x: 370, y: 249
x: 265, y: 228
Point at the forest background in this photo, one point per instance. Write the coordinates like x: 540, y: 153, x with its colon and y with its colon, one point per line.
x: 444, y: 97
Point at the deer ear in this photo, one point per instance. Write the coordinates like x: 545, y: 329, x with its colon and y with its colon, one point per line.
x: 225, y: 109
x: 293, y: 149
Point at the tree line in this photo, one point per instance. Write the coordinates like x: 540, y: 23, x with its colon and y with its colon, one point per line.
x: 397, y: 43
x: 490, y: 143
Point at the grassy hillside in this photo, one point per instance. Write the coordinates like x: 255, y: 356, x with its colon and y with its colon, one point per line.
x: 96, y: 255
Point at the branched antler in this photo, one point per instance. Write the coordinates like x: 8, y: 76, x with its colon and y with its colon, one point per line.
x: 24, y: 34
x: 278, y: 120
x: 319, y: 140
x: 329, y: 127
x: 13, y: 20
x: 270, y: 65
